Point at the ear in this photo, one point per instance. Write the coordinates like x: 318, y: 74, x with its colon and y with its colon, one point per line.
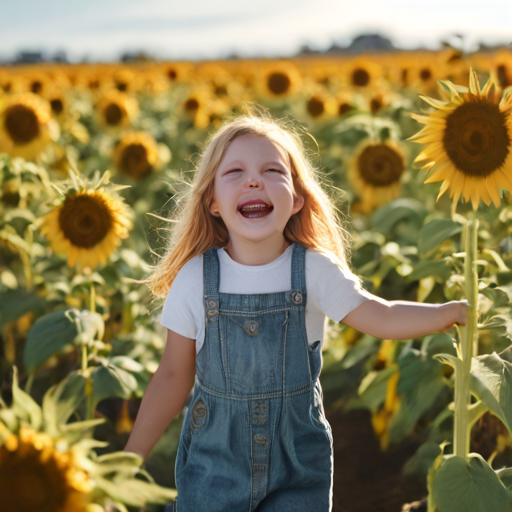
x: 214, y: 209
x: 298, y: 203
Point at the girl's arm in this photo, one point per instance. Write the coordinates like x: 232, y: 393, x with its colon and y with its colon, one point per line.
x: 165, y: 395
x: 403, y: 320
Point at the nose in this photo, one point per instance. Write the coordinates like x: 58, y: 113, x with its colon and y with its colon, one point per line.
x: 253, y: 182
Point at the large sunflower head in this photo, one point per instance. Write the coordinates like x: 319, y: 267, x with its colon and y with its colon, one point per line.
x: 25, y: 125
x: 88, y: 221
x: 375, y: 172
x: 117, y: 109
x: 37, y: 475
x: 136, y: 155
x: 468, y: 142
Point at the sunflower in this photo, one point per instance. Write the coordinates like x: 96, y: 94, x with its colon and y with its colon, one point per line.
x: 281, y: 79
x: 35, y: 475
x: 25, y: 125
x: 362, y: 73
x: 468, y: 140
x: 318, y: 103
x: 196, y: 106
x: 136, y: 155
x: 117, y: 109
x: 89, y: 223
x: 376, y: 172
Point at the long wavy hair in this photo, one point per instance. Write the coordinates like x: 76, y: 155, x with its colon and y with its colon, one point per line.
x: 194, y: 229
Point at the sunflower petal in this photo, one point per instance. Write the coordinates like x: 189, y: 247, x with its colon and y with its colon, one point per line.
x: 433, y: 102
x: 482, y: 189
x: 474, y: 85
x: 475, y: 197
x: 440, y: 174
x: 493, y: 189
x: 444, y: 188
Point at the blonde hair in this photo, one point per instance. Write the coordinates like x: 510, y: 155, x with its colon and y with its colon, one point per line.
x: 316, y: 226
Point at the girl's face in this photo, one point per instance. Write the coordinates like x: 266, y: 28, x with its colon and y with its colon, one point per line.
x: 254, y: 168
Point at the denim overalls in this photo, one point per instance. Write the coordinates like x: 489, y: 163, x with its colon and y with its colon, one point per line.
x: 255, y: 436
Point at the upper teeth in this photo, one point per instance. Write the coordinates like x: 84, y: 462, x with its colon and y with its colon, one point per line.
x: 253, y: 206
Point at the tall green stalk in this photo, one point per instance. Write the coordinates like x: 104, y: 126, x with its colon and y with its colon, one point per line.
x: 468, y: 343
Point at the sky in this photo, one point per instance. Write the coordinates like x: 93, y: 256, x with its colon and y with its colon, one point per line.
x: 206, y: 29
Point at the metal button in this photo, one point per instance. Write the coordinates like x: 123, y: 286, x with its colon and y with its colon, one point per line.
x: 260, y: 439
x: 212, y: 303
x: 252, y: 328
x: 297, y: 297
x: 212, y: 312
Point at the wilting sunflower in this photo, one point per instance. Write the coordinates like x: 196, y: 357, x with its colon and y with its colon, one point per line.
x: 117, y: 109
x: 469, y: 141
x: 26, y: 126
x: 375, y: 172
x: 136, y: 155
x: 35, y: 475
x: 383, y: 418
x: 89, y: 222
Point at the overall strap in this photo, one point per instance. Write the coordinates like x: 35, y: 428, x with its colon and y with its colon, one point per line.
x: 298, y: 294
x: 211, y: 282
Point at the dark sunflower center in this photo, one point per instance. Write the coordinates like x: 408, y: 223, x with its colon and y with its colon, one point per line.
x: 172, y: 74
x: 315, y: 107
x: 21, y: 124
x: 476, y: 138
x: 278, y: 83
x: 503, y: 76
x: 85, y: 220
x: 425, y: 74
x: 404, y: 75
x: 375, y: 105
x: 360, y: 77
x: 57, y: 105
x: 113, y: 114
x: 221, y: 90
x: 36, y: 86
x: 121, y: 86
x: 343, y: 108
x: 134, y: 161
x: 380, y: 166
x: 191, y: 105
x: 39, y: 486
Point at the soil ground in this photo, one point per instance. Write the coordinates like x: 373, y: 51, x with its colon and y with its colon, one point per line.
x: 366, y: 479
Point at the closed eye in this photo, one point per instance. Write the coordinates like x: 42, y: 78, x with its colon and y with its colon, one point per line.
x: 276, y: 170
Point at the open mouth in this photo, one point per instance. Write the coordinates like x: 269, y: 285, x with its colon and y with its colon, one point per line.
x: 256, y: 213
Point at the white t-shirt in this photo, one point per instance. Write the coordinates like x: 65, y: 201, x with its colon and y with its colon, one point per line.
x: 330, y: 291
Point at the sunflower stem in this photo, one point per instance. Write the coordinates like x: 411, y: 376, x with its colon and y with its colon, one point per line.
x: 93, y: 298
x: 469, y: 342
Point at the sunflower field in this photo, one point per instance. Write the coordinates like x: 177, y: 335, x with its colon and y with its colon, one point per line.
x: 416, y: 151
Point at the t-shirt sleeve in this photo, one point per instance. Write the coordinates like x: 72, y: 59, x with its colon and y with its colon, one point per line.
x: 338, y: 290
x: 177, y: 313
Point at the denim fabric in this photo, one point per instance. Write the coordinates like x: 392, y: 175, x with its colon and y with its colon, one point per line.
x: 255, y: 436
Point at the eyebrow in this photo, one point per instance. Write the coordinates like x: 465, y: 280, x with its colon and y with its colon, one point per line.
x: 238, y: 162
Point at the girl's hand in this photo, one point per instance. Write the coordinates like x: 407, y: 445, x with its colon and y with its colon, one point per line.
x: 458, y: 312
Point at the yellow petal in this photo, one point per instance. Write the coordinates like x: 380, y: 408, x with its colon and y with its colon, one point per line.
x: 475, y: 197
x: 481, y: 187
x: 444, y: 187
x: 474, y: 85
x: 440, y: 174
x: 493, y: 189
